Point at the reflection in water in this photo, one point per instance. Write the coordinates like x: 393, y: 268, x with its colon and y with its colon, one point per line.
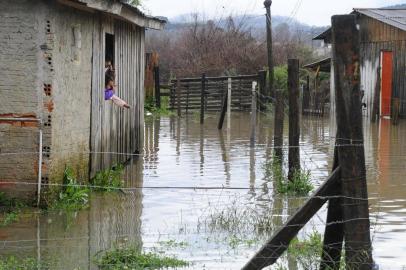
x: 186, y: 154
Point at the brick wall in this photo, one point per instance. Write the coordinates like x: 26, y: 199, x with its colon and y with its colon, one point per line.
x: 19, y: 84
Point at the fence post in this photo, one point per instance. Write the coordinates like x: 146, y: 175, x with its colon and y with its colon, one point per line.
x: 157, y: 87
x: 278, y: 124
x: 229, y: 88
x: 223, y: 111
x: 202, y: 94
x: 262, y: 89
x: 350, y: 142
x: 253, y: 114
x: 294, y: 128
x: 178, y: 98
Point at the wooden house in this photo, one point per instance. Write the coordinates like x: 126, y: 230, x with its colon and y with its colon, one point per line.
x: 383, y: 61
x: 52, y: 108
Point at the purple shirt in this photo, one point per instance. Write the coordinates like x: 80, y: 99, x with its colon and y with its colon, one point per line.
x: 108, y: 94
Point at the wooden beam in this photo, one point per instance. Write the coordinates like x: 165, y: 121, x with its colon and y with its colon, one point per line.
x: 350, y: 142
x: 278, y: 244
x: 223, y: 111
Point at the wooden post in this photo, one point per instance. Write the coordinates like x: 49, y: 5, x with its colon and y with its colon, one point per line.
x: 396, y: 111
x: 202, y: 99
x: 223, y: 111
x: 349, y: 141
x: 253, y: 114
x: 267, y: 5
x: 278, y: 124
x: 375, y: 108
x: 262, y: 90
x: 178, y: 98
x: 294, y: 128
x: 157, y: 87
x: 229, y: 88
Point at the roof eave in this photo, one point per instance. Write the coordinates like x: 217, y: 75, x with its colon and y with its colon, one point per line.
x: 121, y: 10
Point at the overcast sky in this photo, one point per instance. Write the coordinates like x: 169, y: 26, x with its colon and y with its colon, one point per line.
x: 312, y: 12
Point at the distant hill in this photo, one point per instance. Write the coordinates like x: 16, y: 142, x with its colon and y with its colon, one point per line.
x: 397, y: 6
x: 255, y: 23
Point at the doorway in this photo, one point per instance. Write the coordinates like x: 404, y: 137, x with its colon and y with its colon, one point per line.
x: 386, y: 83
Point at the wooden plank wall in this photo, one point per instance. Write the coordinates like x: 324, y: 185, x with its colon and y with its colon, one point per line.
x: 376, y: 37
x: 115, y: 130
x: 216, y: 88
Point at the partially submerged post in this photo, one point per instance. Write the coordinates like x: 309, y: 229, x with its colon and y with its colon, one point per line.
x: 294, y: 128
x: 157, y: 87
x: 350, y: 142
x: 223, y: 111
x: 267, y: 5
x: 178, y: 98
x: 263, y: 96
x: 253, y: 114
x: 278, y: 124
x: 229, y: 87
x: 202, y: 101
x: 375, y: 106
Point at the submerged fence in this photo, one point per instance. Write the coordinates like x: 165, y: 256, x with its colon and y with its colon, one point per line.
x: 193, y: 93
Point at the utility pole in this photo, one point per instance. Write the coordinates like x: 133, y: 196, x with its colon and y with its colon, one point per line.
x: 267, y: 5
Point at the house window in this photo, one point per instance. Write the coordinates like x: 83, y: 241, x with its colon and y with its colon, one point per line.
x: 110, y: 51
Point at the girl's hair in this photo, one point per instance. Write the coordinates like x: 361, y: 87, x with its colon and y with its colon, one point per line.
x: 109, y: 76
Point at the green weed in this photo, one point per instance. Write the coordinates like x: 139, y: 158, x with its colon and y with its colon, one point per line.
x: 132, y: 258
x: 10, y: 209
x: 300, y: 183
x: 73, y: 197
x: 14, y: 263
x: 150, y: 106
x: 108, y: 180
x: 173, y: 244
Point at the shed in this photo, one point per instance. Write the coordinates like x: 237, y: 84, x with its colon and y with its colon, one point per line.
x: 383, y: 59
x: 52, y: 108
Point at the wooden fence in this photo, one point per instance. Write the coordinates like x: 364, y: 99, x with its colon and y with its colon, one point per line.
x: 190, y: 91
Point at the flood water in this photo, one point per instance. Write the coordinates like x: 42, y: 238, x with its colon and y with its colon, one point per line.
x: 204, y: 191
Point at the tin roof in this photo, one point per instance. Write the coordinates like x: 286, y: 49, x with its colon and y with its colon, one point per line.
x: 118, y: 8
x: 394, y: 17
x: 323, y: 65
x: 391, y: 16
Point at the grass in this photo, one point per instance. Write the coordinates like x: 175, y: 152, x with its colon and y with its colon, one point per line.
x: 14, y: 263
x: 168, y: 244
x: 10, y: 208
x: 75, y: 196
x: 150, y: 106
x: 300, y: 183
x: 132, y: 258
x: 108, y: 180
x: 237, y: 219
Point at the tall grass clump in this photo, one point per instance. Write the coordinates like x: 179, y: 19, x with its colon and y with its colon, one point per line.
x: 300, y: 183
x: 108, y: 180
x: 73, y: 195
x: 132, y: 258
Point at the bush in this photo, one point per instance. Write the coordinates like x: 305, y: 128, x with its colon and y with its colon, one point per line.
x: 131, y: 258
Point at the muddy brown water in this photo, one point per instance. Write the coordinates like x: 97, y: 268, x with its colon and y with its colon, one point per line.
x: 171, y: 217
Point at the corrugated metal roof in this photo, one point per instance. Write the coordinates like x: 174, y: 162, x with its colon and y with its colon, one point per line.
x: 394, y: 17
